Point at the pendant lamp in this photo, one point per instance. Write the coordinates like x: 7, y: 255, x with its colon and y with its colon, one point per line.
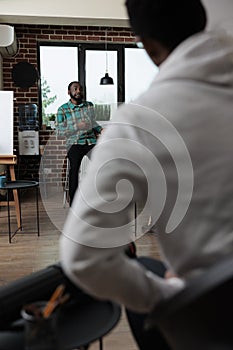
x: 106, y: 80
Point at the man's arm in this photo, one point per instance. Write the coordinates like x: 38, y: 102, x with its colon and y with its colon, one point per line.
x: 61, y: 122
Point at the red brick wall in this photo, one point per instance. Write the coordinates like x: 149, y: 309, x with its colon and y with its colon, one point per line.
x: 28, y: 37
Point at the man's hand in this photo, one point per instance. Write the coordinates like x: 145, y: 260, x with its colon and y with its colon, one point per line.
x: 169, y: 274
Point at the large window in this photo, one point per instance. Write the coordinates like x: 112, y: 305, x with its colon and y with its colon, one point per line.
x: 129, y: 66
x: 58, y: 66
x: 139, y: 72
x: 104, y: 97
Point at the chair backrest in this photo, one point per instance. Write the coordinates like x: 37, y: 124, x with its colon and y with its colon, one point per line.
x: 38, y: 285
x: 201, y: 315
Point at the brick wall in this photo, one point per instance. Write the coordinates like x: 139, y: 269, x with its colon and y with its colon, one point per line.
x: 28, y: 37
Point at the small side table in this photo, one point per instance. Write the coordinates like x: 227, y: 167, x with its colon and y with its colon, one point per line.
x: 20, y: 185
x: 78, y: 325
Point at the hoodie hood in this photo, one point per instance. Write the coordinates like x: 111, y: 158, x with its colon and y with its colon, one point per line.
x: 206, y: 57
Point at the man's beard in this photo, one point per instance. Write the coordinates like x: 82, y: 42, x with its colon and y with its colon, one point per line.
x: 77, y: 98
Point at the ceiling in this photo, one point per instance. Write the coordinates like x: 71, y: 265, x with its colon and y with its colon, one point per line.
x: 99, y: 13
x: 78, y: 12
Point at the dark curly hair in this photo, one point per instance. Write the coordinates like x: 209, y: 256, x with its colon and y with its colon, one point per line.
x: 74, y: 82
x: 168, y: 21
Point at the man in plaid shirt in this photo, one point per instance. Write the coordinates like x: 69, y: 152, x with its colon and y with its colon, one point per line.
x: 76, y: 121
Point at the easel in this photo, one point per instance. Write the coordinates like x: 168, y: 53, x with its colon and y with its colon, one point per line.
x: 11, y: 160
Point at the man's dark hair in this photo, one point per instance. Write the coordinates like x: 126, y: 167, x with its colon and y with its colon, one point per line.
x: 168, y: 21
x: 74, y: 82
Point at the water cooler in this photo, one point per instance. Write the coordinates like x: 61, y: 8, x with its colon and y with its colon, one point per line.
x: 28, y: 130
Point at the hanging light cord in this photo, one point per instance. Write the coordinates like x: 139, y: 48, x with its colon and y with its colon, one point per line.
x: 106, y: 52
x: 106, y: 80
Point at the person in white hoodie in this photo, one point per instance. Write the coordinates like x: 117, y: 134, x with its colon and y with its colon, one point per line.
x: 170, y: 150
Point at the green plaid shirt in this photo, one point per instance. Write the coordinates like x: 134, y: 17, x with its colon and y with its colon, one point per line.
x: 68, y: 117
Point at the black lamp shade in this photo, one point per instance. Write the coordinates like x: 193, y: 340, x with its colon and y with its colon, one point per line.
x: 106, y: 80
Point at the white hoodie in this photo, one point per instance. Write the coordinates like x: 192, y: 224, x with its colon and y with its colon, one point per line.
x: 171, y: 151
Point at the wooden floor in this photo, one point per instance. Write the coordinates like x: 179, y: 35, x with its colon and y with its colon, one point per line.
x: 28, y: 253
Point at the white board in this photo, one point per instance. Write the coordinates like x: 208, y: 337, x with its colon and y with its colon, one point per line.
x: 6, y: 123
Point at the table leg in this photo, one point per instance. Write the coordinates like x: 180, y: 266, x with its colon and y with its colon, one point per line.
x: 12, y: 234
x: 16, y: 198
x: 37, y: 212
x: 9, y: 216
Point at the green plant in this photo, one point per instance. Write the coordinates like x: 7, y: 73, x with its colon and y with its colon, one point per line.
x: 52, y: 117
x: 46, y: 100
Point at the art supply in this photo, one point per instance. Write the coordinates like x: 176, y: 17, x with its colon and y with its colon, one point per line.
x: 41, y: 321
x: 39, y: 332
x: 55, y: 300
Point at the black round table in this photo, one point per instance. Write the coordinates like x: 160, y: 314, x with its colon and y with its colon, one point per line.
x: 79, y: 324
x: 20, y: 185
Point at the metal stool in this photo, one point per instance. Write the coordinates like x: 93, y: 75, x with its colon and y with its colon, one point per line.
x: 82, y: 172
x: 66, y: 183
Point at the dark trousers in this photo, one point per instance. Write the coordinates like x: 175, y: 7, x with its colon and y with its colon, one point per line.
x: 75, y: 156
x: 153, y: 339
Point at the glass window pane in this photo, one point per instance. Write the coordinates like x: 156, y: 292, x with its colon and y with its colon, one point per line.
x: 139, y: 72
x: 58, y: 67
x: 104, y: 97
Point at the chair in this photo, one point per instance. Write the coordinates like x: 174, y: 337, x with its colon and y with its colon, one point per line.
x: 201, y: 315
x: 81, y: 321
